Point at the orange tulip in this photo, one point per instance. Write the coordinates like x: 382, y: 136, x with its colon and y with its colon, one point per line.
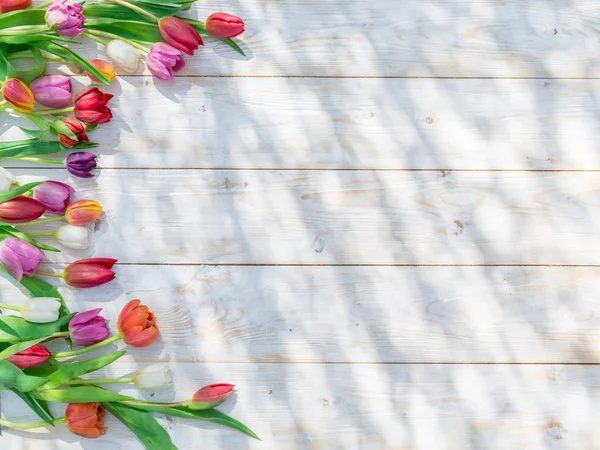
x: 18, y: 94
x: 83, y: 212
x: 136, y: 325
x: 85, y: 419
x: 13, y: 5
x: 104, y: 67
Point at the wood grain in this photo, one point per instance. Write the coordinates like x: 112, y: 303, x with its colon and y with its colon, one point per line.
x: 377, y: 406
x: 357, y: 314
x: 350, y: 124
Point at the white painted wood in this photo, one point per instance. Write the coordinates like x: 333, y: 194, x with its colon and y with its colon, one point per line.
x: 365, y: 217
x: 381, y: 406
x: 357, y: 314
x: 350, y: 124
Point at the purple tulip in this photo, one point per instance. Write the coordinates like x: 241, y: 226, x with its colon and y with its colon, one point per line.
x: 88, y: 328
x: 20, y: 258
x: 53, y: 91
x: 164, y: 60
x: 54, y: 195
x: 66, y: 18
x: 81, y: 164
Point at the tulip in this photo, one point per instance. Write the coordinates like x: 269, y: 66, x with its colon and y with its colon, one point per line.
x: 70, y: 236
x: 81, y: 164
x: 53, y: 91
x: 20, y: 257
x: 41, y: 309
x: 223, y: 25
x: 21, y: 209
x: 13, y: 5
x: 91, y: 272
x: 210, y: 396
x: 90, y: 106
x: 123, y: 55
x: 18, y: 94
x: 136, y: 325
x: 88, y: 328
x: 179, y: 34
x: 78, y: 128
x: 83, y: 212
x: 153, y: 378
x: 32, y: 357
x: 66, y: 18
x: 104, y: 67
x: 163, y: 61
x: 7, y: 179
x: 85, y: 419
x: 54, y: 195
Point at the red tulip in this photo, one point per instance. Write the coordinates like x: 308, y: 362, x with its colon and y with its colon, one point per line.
x: 83, y: 212
x: 78, y: 128
x: 85, y: 419
x: 210, y: 396
x: 90, y: 272
x: 13, y: 5
x: 21, y: 209
x: 90, y: 106
x: 104, y: 67
x: 223, y: 25
x: 32, y: 357
x: 136, y: 325
x: 18, y: 94
x: 179, y: 34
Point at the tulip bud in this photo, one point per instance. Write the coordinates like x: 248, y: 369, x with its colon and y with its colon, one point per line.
x: 7, y: 179
x: 83, y: 212
x: 88, y: 328
x: 41, y: 309
x: 85, y: 419
x: 81, y: 164
x: 123, y: 55
x: 21, y: 209
x: 223, y: 25
x: 20, y: 258
x: 179, y: 34
x: 32, y: 357
x: 90, y: 272
x: 210, y: 396
x: 153, y: 378
x: 105, y: 69
x: 136, y: 325
x: 53, y: 91
x: 13, y: 5
x: 70, y: 236
x: 54, y: 195
x: 18, y: 95
x: 77, y: 127
x: 163, y: 61
x: 65, y: 18
x: 90, y: 106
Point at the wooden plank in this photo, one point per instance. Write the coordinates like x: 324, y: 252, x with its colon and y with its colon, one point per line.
x: 409, y: 38
x: 350, y: 124
x: 358, y: 314
x: 370, y: 407
x: 330, y: 217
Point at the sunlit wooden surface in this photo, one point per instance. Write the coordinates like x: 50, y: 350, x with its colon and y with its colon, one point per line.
x: 382, y: 226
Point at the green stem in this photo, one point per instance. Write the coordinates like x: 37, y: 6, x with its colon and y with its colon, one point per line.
x: 3, y: 103
x: 105, y: 342
x: 100, y: 381
x: 43, y: 221
x: 93, y: 37
x: 28, y: 55
x: 12, y: 308
x: 39, y: 160
x: 27, y: 426
x: 135, y: 8
x: 114, y: 36
x: 49, y: 274
x: 43, y: 233
x: 23, y: 30
x: 60, y: 334
x: 46, y: 112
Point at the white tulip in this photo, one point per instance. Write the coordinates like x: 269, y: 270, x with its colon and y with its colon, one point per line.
x: 71, y: 236
x: 153, y: 378
x: 123, y: 55
x: 41, y: 309
x: 7, y: 179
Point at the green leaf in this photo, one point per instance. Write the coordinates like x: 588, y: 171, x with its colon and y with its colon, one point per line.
x: 13, y: 377
x: 40, y: 288
x: 19, y: 347
x: 143, y: 425
x: 114, y: 11
x: 28, y: 75
x: 79, y: 394
x: 10, y: 231
x: 34, y: 38
x: 6, y: 196
x: 210, y: 415
x: 17, y: 329
x: 22, y: 17
x: 40, y: 409
x: 69, y: 371
x: 128, y: 29
x: 38, y: 134
x: 7, y: 70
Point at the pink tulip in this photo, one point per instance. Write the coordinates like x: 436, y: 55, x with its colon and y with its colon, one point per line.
x: 88, y: 328
x: 164, y: 60
x: 20, y: 258
x: 66, y: 18
x: 54, y: 195
x: 53, y: 91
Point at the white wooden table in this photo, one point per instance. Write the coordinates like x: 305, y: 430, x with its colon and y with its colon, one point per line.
x: 382, y: 226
